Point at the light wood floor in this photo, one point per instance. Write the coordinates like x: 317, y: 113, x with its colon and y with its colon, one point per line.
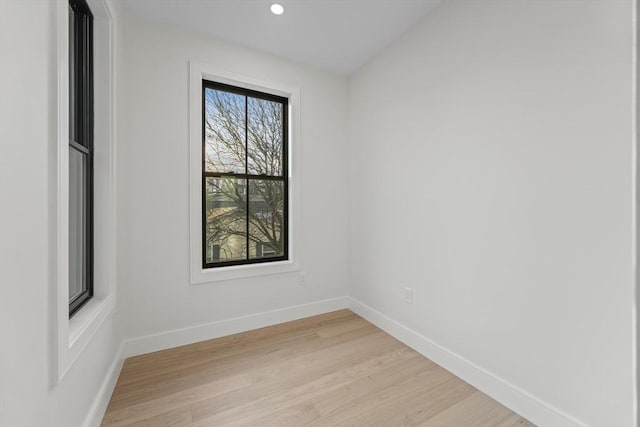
x: 330, y: 370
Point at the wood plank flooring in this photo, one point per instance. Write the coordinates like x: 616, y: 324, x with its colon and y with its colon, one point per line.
x: 335, y: 369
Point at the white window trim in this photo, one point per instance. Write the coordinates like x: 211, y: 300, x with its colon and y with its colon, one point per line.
x: 71, y: 336
x: 197, y: 72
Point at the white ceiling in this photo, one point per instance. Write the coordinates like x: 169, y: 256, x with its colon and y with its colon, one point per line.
x: 335, y: 35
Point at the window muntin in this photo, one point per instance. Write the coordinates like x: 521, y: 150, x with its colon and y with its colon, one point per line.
x: 244, y: 176
x: 80, y: 155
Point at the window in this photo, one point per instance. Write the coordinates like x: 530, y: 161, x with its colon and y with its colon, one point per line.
x: 74, y: 333
x: 80, y: 155
x: 244, y: 176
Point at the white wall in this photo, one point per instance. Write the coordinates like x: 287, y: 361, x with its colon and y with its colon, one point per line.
x: 153, y: 188
x: 27, y: 137
x: 491, y: 170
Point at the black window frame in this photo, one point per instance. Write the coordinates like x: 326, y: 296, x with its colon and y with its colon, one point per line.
x: 81, y: 126
x: 210, y: 84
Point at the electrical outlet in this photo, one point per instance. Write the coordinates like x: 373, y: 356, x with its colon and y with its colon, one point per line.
x: 301, y: 279
x: 408, y: 295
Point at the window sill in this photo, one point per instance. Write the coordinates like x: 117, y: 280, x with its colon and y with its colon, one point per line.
x: 80, y: 330
x: 242, y: 271
x: 88, y: 319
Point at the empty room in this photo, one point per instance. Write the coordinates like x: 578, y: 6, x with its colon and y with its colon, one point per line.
x: 318, y: 213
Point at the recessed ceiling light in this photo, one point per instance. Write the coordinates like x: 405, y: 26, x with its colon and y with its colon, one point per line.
x: 277, y: 9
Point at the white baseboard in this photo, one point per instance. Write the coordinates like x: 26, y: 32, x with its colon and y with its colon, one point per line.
x: 99, y: 406
x: 520, y: 401
x: 190, y: 335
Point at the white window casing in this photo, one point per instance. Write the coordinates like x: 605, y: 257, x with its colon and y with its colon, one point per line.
x: 71, y: 336
x: 197, y: 73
